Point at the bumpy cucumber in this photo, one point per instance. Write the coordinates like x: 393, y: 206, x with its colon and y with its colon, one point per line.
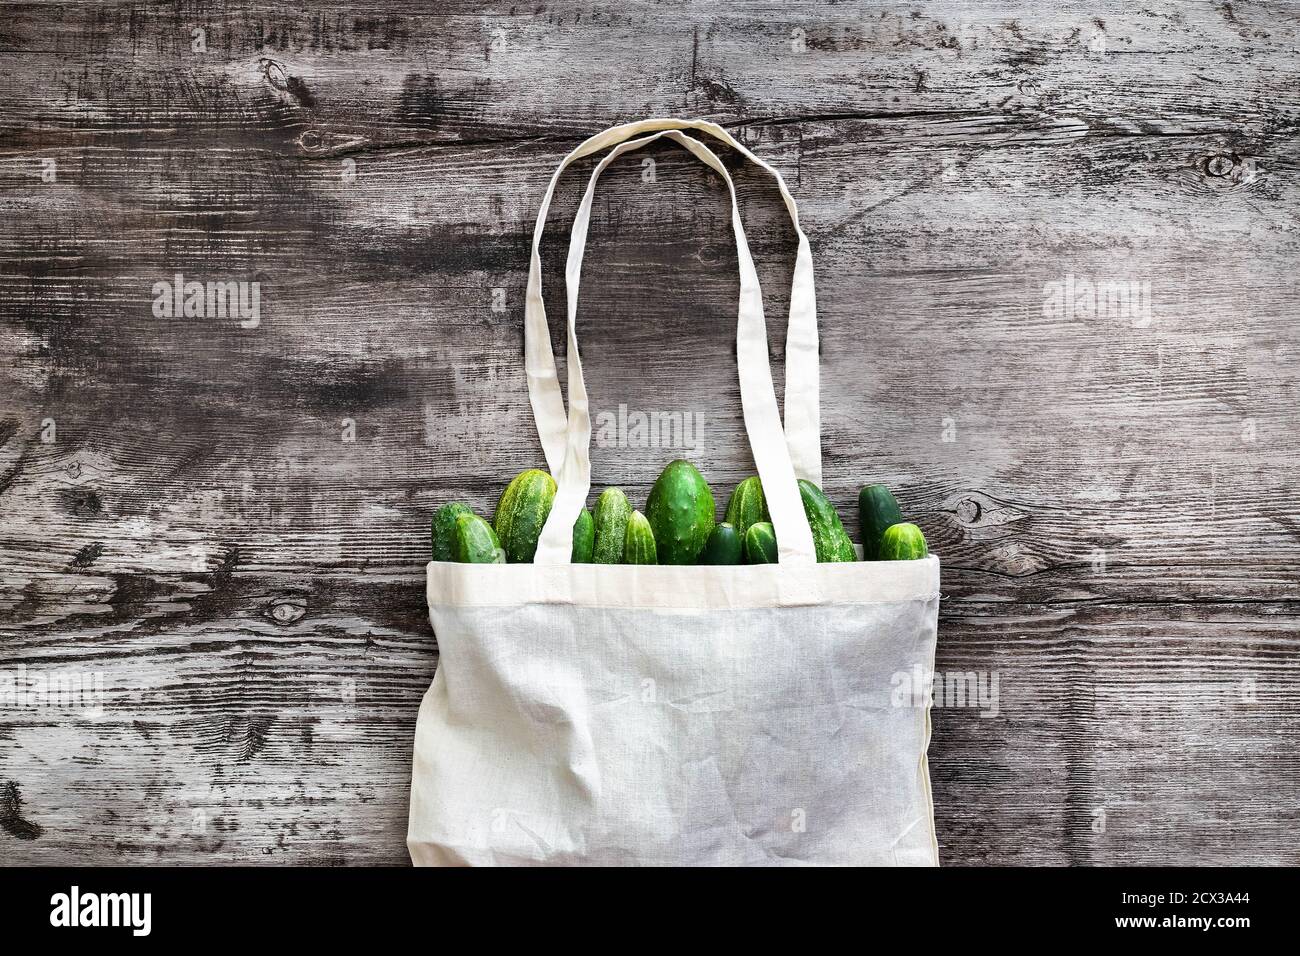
x: 474, y: 541
x: 584, y: 537
x: 902, y: 542
x: 639, y: 541
x: 877, y: 510
x: 680, y: 512
x: 521, y: 512
x: 444, y: 527
x: 760, y: 544
x: 724, y: 546
x: 747, y: 506
x: 830, y: 540
x: 610, y: 527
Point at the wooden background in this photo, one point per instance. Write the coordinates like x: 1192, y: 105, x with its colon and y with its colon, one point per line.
x: 183, y: 517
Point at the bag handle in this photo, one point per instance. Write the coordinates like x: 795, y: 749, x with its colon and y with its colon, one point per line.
x: 758, y: 397
x: 802, y: 383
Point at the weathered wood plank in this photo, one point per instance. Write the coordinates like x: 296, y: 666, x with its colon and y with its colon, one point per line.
x: 449, y: 70
x: 455, y: 396
x: 278, y: 727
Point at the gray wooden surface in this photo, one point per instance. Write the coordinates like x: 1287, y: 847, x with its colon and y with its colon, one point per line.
x: 183, y: 519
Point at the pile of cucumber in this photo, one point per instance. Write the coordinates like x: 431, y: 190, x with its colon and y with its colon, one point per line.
x: 677, y: 527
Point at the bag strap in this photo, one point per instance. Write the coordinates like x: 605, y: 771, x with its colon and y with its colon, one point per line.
x: 758, y: 397
x: 802, y: 358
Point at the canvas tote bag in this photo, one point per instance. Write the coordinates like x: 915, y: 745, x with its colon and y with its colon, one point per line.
x: 623, y: 714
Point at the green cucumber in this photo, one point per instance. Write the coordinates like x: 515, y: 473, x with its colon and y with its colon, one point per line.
x: 877, y: 510
x: 760, y: 544
x: 522, y: 512
x: 584, y: 537
x: 747, y: 506
x: 680, y: 512
x: 639, y: 541
x: 830, y: 541
x: 610, y: 527
x: 724, y: 546
x: 444, y: 526
x: 902, y: 542
x: 474, y: 541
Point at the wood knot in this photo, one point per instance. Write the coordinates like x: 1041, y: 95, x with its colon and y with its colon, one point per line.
x: 1220, y: 165
x: 980, y: 514
x: 286, y: 611
x: 291, y: 86
x: 1230, y: 170
x: 274, y: 74
x: 319, y: 142
x: 710, y: 255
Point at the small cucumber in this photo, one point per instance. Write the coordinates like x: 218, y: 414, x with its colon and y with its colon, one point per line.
x: 724, y: 546
x: 747, y: 506
x: 522, y: 512
x: 584, y: 537
x: 877, y: 510
x: 830, y: 540
x: 760, y: 544
x: 680, y: 510
x: 902, y: 542
x: 444, y: 528
x: 639, y: 541
x: 610, y: 527
x: 474, y: 542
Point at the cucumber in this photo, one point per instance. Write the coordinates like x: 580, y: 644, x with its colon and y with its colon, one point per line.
x: 474, y: 541
x: 902, y: 542
x: 521, y: 512
x: 639, y: 541
x: 610, y: 527
x: 680, y: 512
x: 830, y: 540
x: 724, y: 546
x: 877, y: 510
x: 760, y: 544
x: 584, y: 537
x: 444, y: 527
x: 747, y: 506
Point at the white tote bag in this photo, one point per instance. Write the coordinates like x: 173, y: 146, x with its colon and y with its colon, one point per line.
x: 624, y: 714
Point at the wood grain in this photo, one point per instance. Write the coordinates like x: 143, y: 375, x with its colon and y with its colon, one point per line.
x: 1112, y: 493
